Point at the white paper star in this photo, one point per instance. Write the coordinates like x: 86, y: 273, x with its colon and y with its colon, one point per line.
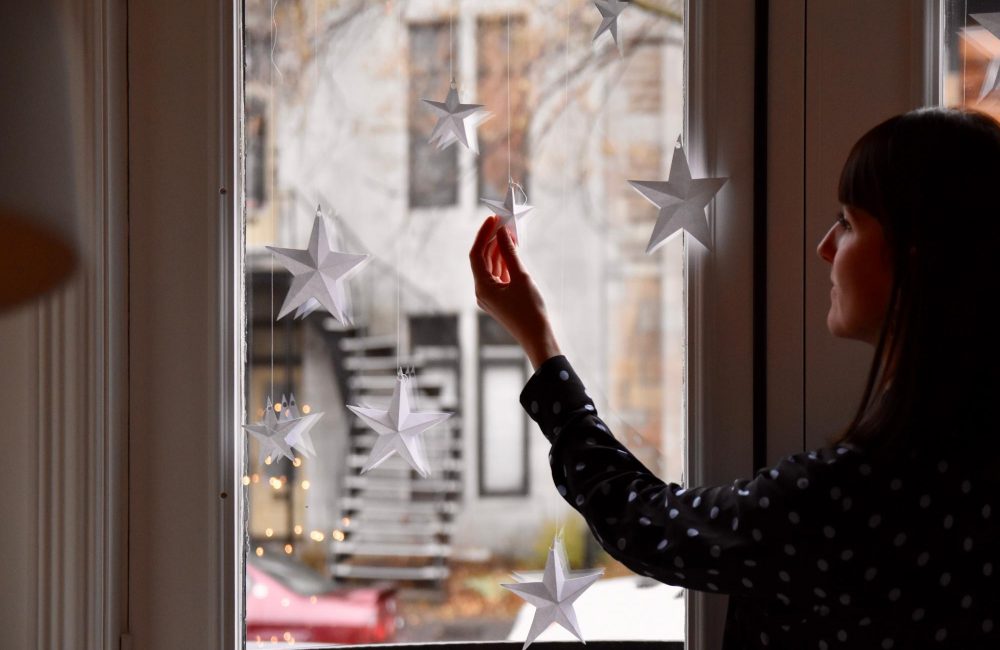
x: 681, y: 200
x: 554, y: 595
x: 271, y: 433
x: 457, y: 122
x: 299, y: 437
x: 610, y: 10
x: 991, y: 80
x: 319, y: 274
x: 511, y: 212
x: 400, y: 430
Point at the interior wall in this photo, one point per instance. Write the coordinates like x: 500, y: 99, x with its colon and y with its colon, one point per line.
x: 837, y: 68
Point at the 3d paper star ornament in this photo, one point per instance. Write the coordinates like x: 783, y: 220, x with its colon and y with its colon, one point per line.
x: 299, y: 437
x: 319, y: 274
x: 610, y: 10
x: 991, y: 81
x: 554, y: 595
x: 511, y: 212
x: 681, y: 200
x: 400, y: 429
x: 271, y: 433
x: 457, y: 122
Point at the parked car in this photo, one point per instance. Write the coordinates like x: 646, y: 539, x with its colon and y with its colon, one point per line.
x: 287, y: 602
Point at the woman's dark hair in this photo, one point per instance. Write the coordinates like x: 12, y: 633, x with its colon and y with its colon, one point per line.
x: 932, y: 179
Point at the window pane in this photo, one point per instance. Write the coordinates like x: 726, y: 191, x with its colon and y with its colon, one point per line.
x: 333, y: 116
x: 970, y: 57
x: 432, y: 173
x: 503, y: 445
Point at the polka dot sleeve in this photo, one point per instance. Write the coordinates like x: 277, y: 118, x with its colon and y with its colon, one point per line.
x: 776, y: 534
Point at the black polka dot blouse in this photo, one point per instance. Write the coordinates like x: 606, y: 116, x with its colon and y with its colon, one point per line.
x: 827, y: 549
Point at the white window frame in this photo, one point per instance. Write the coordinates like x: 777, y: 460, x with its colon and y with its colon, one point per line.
x: 154, y: 320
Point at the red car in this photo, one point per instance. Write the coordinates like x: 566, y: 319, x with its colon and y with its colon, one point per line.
x: 288, y: 602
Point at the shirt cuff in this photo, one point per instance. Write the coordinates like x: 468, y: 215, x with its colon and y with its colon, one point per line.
x: 554, y: 394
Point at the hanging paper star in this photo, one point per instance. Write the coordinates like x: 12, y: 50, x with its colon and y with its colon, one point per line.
x: 610, y: 10
x: 400, y: 430
x: 554, y: 595
x: 319, y: 274
x: 991, y: 80
x: 299, y: 437
x: 511, y: 212
x: 271, y: 433
x: 457, y: 122
x: 681, y: 200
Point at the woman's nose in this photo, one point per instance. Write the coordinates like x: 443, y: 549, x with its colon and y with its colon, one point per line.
x: 828, y: 246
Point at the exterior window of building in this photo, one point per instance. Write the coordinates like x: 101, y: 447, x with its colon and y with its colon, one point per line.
x: 333, y: 117
x: 432, y: 173
x: 255, y: 162
x: 503, y: 439
x: 492, y: 58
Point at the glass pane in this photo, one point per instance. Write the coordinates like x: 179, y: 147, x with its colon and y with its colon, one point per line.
x: 970, y: 56
x: 502, y: 454
x: 334, y: 117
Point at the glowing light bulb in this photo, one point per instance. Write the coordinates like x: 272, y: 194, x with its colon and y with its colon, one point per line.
x: 338, y: 535
x: 317, y: 536
x: 305, y: 485
x: 246, y: 480
x: 267, y: 461
x: 277, y: 408
x: 298, y: 529
x: 269, y: 532
x: 288, y: 549
x: 297, y: 462
x: 260, y: 551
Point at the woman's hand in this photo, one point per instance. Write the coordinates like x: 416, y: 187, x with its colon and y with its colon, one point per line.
x: 505, y: 291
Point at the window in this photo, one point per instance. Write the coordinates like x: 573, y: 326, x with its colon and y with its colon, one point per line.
x: 432, y: 173
x: 492, y: 57
x: 338, y: 93
x: 503, y: 437
x: 970, y: 54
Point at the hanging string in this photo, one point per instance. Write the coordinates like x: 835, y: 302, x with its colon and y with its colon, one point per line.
x: 273, y: 183
x: 274, y: 39
x: 566, y: 163
x: 510, y: 176
x: 399, y: 320
x: 451, y: 45
x: 965, y: 50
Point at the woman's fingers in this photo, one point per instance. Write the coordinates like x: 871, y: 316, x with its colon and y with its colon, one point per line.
x: 477, y: 256
x: 508, y: 253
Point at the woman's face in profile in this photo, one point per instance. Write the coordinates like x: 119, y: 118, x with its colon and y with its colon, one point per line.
x: 861, y: 273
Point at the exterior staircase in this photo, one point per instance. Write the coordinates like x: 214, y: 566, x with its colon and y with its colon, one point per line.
x: 395, y: 525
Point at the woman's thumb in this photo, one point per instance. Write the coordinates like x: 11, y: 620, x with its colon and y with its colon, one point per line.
x: 508, y: 251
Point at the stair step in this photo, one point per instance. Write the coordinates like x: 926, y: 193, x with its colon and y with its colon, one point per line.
x: 364, y: 527
x: 387, y: 382
x: 382, y: 483
x: 388, y: 549
x: 401, y: 470
x: 361, y: 343
x: 390, y: 573
x: 367, y: 506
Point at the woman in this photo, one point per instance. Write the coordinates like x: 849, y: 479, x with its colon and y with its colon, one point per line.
x: 889, y: 537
